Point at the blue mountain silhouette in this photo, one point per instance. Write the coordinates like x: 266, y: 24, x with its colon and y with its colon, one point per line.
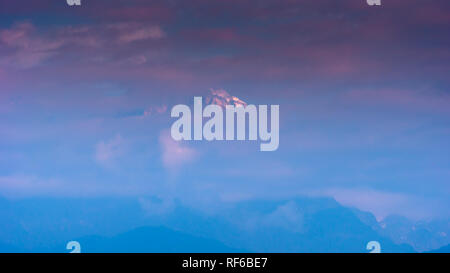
x: 301, y: 224
x: 152, y: 240
x: 444, y: 249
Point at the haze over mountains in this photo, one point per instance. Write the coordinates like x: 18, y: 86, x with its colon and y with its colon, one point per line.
x: 128, y: 225
x: 444, y: 249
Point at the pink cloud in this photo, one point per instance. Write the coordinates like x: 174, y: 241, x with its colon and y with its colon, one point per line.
x: 26, y: 46
x: 131, y: 32
x: 17, y: 35
x: 428, y: 100
x: 149, y: 12
x: 222, y: 98
x: 22, y: 185
x: 106, y: 152
x: 174, y: 154
x: 154, y: 110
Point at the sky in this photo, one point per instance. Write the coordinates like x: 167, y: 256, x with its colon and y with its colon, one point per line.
x: 86, y: 93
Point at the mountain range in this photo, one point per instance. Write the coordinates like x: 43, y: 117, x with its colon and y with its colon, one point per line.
x: 302, y: 224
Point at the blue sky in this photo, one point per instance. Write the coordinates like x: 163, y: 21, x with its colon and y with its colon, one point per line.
x: 86, y: 93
